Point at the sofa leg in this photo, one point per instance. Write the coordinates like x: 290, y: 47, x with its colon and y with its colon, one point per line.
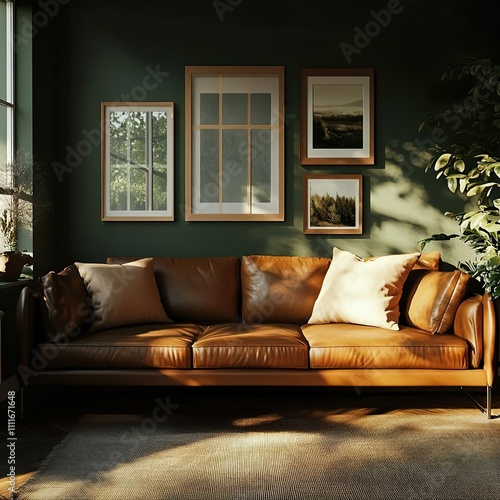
x: 487, y: 410
x: 488, y: 401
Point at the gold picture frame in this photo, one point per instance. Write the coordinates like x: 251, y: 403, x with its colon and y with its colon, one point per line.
x: 234, y: 143
x: 337, y: 116
x: 137, y: 161
x: 333, y: 204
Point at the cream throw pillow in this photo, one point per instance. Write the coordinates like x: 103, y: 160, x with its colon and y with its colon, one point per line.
x: 123, y: 294
x: 363, y: 292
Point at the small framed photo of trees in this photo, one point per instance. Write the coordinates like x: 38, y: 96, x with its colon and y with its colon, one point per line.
x: 337, y: 116
x: 333, y: 204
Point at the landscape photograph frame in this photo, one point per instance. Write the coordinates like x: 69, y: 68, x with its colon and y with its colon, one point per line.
x: 337, y: 116
x: 333, y: 204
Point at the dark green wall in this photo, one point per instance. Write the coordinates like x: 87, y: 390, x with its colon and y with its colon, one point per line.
x: 89, y: 51
x: 95, y: 50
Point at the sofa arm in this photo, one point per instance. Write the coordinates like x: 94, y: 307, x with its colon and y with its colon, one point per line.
x: 27, y: 318
x: 490, y: 342
x: 475, y: 322
x: 468, y: 324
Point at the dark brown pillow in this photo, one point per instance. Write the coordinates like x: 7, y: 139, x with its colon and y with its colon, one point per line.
x: 68, y: 303
x: 431, y: 299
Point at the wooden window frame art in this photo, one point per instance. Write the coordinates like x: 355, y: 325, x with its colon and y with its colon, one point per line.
x: 350, y: 185
x: 329, y: 91
x: 234, y: 143
x: 136, y: 162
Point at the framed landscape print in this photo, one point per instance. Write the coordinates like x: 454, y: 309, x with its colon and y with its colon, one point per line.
x: 234, y: 143
x: 337, y: 117
x: 137, y: 161
x: 333, y: 204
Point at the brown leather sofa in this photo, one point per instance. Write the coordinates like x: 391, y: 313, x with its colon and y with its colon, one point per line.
x: 243, y: 321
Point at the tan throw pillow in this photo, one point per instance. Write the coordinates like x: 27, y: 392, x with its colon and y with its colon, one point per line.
x: 363, y: 292
x: 123, y: 294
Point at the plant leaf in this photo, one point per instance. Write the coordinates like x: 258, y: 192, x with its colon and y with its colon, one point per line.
x: 479, y: 188
x: 442, y: 161
x: 476, y: 221
x: 437, y: 237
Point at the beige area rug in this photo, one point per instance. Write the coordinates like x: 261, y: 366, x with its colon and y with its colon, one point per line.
x: 277, y: 451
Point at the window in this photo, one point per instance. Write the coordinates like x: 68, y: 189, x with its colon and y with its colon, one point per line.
x: 6, y: 82
x: 6, y: 104
x: 138, y: 161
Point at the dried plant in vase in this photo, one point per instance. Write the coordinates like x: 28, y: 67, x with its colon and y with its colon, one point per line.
x: 16, y: 211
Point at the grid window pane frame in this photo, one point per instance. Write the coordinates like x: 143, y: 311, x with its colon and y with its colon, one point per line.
x: 234, y: 143
x: 7, y: 82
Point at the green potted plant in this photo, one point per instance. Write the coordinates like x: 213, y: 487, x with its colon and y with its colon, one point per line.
x: 470, y: 164
x: 16, y: 211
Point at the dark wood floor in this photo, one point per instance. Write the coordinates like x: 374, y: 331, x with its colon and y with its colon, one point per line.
x: 47, y: 422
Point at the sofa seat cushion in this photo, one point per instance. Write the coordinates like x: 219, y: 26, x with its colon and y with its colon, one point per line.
x: 239, y: 345
x: 136, y: 346
x: 343, y: 345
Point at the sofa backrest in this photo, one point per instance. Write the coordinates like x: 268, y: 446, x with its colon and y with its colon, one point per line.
x: 280, y: 289
x: 283, y: 289
x: 204, y: 290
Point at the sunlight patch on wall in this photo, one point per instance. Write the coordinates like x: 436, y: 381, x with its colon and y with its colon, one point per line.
x: 402, y: 215
x: 284, y: 240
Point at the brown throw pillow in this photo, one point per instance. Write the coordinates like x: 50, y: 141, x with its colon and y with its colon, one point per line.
x: 431, y: 298
x: 68, y: 303
x: 428, y: 260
